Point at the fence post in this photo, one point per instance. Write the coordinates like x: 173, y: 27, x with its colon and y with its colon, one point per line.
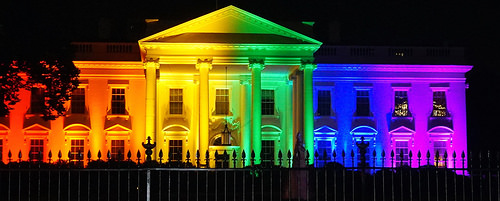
x: 148, y: 185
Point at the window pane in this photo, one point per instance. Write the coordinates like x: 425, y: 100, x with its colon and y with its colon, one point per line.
x: 439, y: 104
x: 440, y: 146
x: 222, y: 101
x: 37, y: 100
x: 176, y: 102
x: 36, y: 149
x: 267, y: 153
x: 401, y: 146
x: 324, y: 103
x: 118, y: 101
x: 175, y: 150
x: 78, y: 101
x: 77, y: 150
x: 267, y: 102
x: 117, y: 149
x: 401, y: 104
x: 362, y: 103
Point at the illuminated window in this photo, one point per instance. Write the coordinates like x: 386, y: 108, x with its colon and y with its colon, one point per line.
x: 36, y: 149
x: 401, y: 104
x: 176, y: 101
x: 221, y: 101
x: 401, y: 146
x: 267, y: 102
x: 118, y: 101
x: 267, y: 153
x: 117, y: 149
x: 37, y: 100
x: 78, y: 101
x: 324, y: 146
x: 439, y: 104
x: 175, y: 150
x: 363, y: 103
x: 439, y: 146
x: 77, y: 150
x: 324, y: 103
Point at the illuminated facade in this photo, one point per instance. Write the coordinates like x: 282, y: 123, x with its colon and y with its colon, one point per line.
x: 233, y: 70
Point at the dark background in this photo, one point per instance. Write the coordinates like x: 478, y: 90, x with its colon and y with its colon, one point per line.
x: 45, y: 28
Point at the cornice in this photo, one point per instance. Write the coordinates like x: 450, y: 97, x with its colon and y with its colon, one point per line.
x: 395, y: 68
x: 110, y: 64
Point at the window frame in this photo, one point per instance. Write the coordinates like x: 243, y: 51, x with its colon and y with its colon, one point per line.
x: 262, y: 102
x: 170, y: 101
x: 435, y: 112
x: 330, y: 102
x: 71, y: 106
x: 228, y: 102
x: 357, y: 110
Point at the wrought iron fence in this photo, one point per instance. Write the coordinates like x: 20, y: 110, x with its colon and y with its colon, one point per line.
x: 184, y: 180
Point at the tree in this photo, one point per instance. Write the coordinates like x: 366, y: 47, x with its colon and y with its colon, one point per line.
x: 57, y: 78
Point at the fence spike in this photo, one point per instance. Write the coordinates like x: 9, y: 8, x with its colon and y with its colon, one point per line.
x: 316, y: 154
x: 69, y: 155
x: 129, y: 156
x: 207, y: 158
x: 20, y: 155
x: 198, y: 158
x: 10, y: 156
x: 160, y: 155
x: 392, y: 154
x: 50, y: 155
x: 410, y: 156
x: 108, y: 155
x: 243, y: 157
x: 59, y: 155
x: 252, y: 157
x: 99, y: 155
x: 454, y: 155
x: 374, y: 153
x: 280, y: 157
x: 138, y: 156
x: 334, y: 154
x: 307, y: 157
x: 234, y: 158
x: 463, y: 155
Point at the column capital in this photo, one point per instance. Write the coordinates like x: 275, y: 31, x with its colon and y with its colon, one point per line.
x: 204, y: 63
x: 256, y: 63
x: 152, y: 62
x: 307, y: 64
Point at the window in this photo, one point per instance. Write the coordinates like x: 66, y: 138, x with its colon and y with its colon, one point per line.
x: 324, y: 146
x: 401, y: 146
x: 401, y: 104
x: 439, y: 146
x: 176, y: 101
x: 175, y: 150
x: 37, y: 100
x: 77, y: 150
x: 78, y: 101
x: 362, y: 103
x: 221, y: 101
x: 324, y: 103
x: 118, y: 101
x: 267, y: 102
x: 439, y: 104
x: 117, y: 149
x: 267, y: 153
x: 36, y: 149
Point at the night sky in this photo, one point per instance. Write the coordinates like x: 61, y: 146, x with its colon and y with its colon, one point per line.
x: 45, y: 28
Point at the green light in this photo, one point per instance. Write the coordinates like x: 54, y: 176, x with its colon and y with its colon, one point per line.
x: 308, y: 109
x: 256, y: 66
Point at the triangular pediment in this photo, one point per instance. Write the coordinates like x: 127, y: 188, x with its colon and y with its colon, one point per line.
x: 402, y: 130
x: 36, y: 127
x: 230, y: 25
x: 325, y: 130
x: 117, y: 128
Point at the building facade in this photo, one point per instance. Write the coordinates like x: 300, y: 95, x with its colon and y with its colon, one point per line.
x: 233, y: 81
